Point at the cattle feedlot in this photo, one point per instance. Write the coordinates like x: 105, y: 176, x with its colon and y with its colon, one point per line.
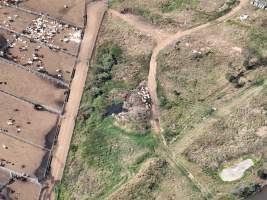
x: 39, y: 52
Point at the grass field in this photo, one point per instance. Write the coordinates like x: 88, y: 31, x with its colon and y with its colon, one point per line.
x: 212, y: 94
x: 102, y: 155
x: 105, y: 157
x: 192, y: 74
x: 209, y: 120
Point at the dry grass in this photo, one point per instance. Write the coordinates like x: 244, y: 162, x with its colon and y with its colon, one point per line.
x: 194, y: 93
x: 188, y: 83
x: 156, y: 180
x: 103, y: 156
x: 232, y: 136
x: 173, y: 14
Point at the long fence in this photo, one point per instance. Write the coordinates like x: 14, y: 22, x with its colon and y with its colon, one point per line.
x: 50, y: 78
x: 36, y: 41
x: 47, y: 171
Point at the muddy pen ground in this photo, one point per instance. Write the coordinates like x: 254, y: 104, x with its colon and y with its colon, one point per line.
x: 38, y: 57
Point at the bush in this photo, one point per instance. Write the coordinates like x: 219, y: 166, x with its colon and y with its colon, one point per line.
x: 259, y: 82
x: 249, y: 190
x: 109, y: 54
x: 231, y: 78
x: 262, y: 173
x: 96, y: 92
x: 170, y: 135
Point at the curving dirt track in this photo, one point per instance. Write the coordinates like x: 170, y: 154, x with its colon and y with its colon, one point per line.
x: 152, y: 83
x: 95, y: 14
x: 164, y: 39
x: 153, y: 31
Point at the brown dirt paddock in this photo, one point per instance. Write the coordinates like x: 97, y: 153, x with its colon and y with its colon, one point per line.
x: 24, y: 191
x: 74, y: 13
x: 15, y: 19
x: 18, y: 20
x: 51, y: 61
x: 18, y: 190
x: 22, y: 157
x: 28, y: 86
x: 37, y: 127
x: 25, y: 143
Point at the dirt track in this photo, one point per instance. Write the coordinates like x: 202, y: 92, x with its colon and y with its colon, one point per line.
x: 95, y: 13
x: 164, y: 39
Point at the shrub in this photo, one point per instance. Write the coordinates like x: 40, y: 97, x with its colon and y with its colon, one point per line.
x: 109, y: 54
x: 247, y: 191
x: 259, y: 81
x: 231, y: 78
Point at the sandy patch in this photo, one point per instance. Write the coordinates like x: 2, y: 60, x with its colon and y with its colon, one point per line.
x: 237, y: 171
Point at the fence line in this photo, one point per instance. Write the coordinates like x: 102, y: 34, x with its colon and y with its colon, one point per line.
x: 30, y: 70
x: 58, y: 19
x: 46, y: 108
x: 37, y: 41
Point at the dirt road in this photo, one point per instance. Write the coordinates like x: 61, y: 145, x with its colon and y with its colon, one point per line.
x: 162, y: 44
x: 151, y: 30
x: 164, y: 39
x: 95, y: 13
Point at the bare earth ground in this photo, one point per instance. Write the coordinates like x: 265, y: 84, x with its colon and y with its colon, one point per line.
x: 137, y: 184
x: 10, y: 37
x: 16, y: 190
x: 73, y: 14
x: 88, y: 176
x: 28, y: 86
x: 27, y: 133
x: 17, y: 157
x: 95, y: 13
x: 21, y: 19
x: 66, y: 31
x: 52, y: 61
x: 29, y: 124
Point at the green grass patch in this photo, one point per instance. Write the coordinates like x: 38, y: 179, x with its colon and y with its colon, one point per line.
x: 258, y: 43
x: 98, y: 145
x: 265, y: 90
x: 173, y: 5
x: 210, y: 172
x: 147, y: 14
x: 135, y: 167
